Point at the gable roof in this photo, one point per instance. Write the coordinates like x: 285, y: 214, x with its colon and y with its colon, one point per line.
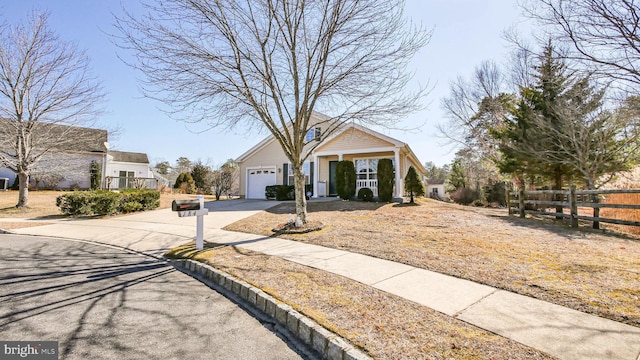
x: 131, y: 157
x: 396, y: 143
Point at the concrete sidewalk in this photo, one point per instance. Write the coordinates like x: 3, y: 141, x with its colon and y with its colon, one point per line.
x: 559, y: 331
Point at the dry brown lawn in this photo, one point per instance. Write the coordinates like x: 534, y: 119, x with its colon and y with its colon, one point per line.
x: 588, y: 271
x: 42, y: 206
x: 383, y: 325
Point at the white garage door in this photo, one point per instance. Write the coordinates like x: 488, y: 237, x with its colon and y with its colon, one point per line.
x: 258, y: 179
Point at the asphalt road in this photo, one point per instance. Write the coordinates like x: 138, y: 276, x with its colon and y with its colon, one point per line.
x: 106, y: 303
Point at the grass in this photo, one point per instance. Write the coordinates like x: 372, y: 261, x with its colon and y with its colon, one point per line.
x: 588, y: 271
x: 384, y: 325
x: 625, y: 214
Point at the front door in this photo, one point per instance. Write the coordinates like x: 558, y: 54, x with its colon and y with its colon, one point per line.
x: 332, y: 178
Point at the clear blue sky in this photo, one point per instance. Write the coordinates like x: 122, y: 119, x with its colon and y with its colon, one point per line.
x: 466, y: 32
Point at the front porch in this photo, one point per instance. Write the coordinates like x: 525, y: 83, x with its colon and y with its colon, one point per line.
x: 365, y: 163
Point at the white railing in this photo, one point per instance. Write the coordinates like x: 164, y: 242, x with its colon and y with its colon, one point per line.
x: 371, y: 184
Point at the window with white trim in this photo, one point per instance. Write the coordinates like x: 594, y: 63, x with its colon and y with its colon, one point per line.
x: 367, y: 169
x: 306, y: 168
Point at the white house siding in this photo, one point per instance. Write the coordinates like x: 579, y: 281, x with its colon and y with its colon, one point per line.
x: 140, y: 170
x: 72, y: 168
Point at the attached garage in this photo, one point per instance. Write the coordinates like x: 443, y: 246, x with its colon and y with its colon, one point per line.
x: 257, y: 180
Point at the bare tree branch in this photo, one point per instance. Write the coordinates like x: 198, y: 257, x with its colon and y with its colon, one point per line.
x: 273, y: 63
x: 46, y: 94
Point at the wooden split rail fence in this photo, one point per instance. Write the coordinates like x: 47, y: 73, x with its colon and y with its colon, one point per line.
x: 538, y: 201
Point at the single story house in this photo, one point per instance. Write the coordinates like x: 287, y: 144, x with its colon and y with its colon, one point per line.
x: 67, y: 163
x: 266, y: 164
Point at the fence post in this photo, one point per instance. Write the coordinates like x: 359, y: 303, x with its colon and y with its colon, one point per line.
x: 573, y: 203
x: 521, y: 202
x: 596, y: 211
x: 508, y: 202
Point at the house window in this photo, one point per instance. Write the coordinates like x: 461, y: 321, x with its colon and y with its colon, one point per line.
x: 434, y: 190
x: 307, y: 171
x: 125, y: 179
x: 312, y: 134
x: 367, y: 169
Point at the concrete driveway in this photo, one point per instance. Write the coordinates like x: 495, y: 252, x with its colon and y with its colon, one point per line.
x: 105, y: 303
x: 152, y: 232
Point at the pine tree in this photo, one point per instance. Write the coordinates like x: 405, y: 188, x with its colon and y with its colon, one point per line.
x: 412, y: 184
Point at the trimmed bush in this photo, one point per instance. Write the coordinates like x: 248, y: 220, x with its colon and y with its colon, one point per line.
x: 346, y: 179
x: 365, y: 194
x: 385, y: 180
x: 271, y: 191
x: 148, y: 199
x: 284, y: 192
x: 103, y: 202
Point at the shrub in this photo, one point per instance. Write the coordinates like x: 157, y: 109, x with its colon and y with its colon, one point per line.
x: 365, y: 194
x: 464, y: 196
x: 345, y: 179
x: 271, y: 191
x: 75, y: 203
x: 148, y: 199
x: 103, y: 202
x: 285, y: 192
x: 385, y: 180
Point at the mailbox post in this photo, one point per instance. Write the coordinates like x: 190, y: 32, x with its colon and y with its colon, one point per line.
x: 193, y: 208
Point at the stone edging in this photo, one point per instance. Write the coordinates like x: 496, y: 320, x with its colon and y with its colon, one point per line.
x: 325, y: 343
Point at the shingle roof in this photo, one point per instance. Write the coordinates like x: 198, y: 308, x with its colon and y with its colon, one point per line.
x: 67, y: 138
x: 132, y: 157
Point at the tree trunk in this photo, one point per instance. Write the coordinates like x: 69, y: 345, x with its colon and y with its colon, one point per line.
x: 23, y: 193
x: 411, y: 194
x: 301, y: 200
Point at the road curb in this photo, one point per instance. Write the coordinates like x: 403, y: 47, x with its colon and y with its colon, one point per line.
x: 313, y: 336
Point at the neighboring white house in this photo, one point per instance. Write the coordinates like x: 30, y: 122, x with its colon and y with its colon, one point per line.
x: 266, y: 164
x: 128, y: 169
x: 436, y: 189
x: 69, y: 166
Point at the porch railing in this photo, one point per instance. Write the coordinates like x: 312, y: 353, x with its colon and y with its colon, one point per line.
x: 116, y: 183
x: 371, y: 184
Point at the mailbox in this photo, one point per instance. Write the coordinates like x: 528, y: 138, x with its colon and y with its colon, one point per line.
x: 185, y: 205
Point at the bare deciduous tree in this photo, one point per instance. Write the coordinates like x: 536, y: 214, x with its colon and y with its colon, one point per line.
x: 605, y: 33
x: 474, y: 107
x: 272, y: 63
x: 46, y: 93
x: 225, y: 178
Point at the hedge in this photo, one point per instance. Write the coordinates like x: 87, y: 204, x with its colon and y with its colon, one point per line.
x: 284, y: 192
x: 104, y: 202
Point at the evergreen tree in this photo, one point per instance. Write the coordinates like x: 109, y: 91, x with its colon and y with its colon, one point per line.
x: 413, y: 185
x: 385, y: 180
x: 534, y: 128
x: 346, y: 179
